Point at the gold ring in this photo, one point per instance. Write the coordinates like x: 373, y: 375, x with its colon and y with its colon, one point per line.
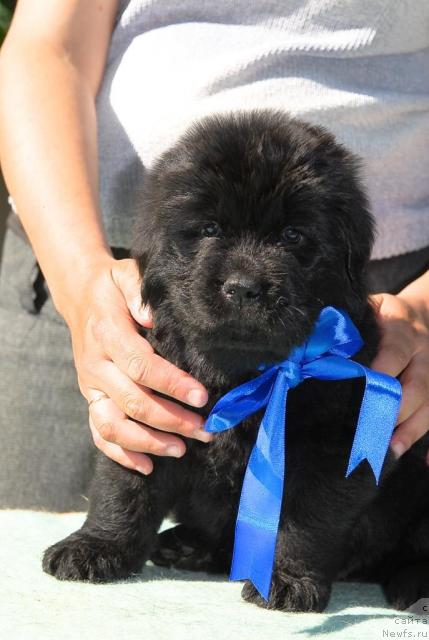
x: 102, y: 396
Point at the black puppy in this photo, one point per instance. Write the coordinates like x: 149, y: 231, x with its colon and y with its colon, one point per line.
x: 250, y: 225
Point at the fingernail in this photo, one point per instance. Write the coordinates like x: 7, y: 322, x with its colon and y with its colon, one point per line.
x: 145, y: 472
x: 197, y: 398
x: 174, y: 451
x: 398, y: 448
x: 202, y: 435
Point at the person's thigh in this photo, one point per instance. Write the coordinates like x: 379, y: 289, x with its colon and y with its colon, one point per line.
x: 46, y: 452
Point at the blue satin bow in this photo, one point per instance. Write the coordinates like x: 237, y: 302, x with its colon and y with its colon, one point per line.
x: 325, y: 356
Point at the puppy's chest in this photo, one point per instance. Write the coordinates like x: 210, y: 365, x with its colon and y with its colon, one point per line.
x: 224, y: 459
x: 315, y: 418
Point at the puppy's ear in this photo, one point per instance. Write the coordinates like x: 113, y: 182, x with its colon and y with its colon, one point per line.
x: 142, y: 248
x: 358, y: 239
x: 143, y: 262
x: 351, y: 266
x: 148, y: 251
x: 142, y: 257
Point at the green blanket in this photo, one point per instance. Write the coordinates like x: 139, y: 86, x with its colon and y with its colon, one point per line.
x: 162, y: 603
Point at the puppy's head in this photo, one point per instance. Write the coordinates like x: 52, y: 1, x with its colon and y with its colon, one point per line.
x: 250, y: 225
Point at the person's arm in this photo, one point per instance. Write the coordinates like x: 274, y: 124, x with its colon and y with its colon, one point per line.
x: 404, y: 352
x: 51, y: 66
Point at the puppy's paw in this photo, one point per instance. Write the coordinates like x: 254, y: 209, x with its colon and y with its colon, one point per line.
x: 290, y: 594
x: 87, y: 558
x: 408, y: 585
x: 183, y: 548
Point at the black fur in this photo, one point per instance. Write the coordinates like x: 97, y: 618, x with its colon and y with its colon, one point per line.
x: 224, y: 304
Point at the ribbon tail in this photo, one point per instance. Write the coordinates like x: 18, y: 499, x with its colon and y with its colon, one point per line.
x: 253, y: 559
x: 377, y: 419
x: 261, y: 496
x: 378, y: 413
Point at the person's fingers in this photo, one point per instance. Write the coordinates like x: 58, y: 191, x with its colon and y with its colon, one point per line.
x: 126, y: 276
x: 113, y: 426
x: 415, y: 386
x: 411, y: 430
x: 398, y: 339
x: 136, y: 359
x: 130, y: 459
x: 396, y: 349
x: 142, y: 405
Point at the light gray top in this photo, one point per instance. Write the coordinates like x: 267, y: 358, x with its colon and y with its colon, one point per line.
x: 358, y: 67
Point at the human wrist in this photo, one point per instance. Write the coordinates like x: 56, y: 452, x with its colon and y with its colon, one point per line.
x: 72, y: 287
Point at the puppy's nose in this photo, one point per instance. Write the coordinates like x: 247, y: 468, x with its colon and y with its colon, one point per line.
x: 242, y: 289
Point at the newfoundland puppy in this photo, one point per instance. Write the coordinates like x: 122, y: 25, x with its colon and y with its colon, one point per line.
x: 249, y: 226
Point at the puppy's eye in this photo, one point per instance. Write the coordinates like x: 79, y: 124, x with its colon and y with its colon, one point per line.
x: 291, y: 235
x: 211, y: 230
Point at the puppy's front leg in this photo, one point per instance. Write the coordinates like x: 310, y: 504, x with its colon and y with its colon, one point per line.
x: 126, y: 510
x: 298, y: 581
x: 318, y: 513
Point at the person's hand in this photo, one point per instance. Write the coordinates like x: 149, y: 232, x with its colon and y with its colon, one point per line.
x: 118, y: 372
x: 404, y: 353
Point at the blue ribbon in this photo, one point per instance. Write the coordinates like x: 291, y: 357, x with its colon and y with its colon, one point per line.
x: 325, y: 356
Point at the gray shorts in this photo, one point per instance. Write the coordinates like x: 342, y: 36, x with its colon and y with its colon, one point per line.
x: 46, y: 450
x: 46, y: 453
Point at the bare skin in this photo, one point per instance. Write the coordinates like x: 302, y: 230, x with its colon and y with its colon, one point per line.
x: 49, y: 160
x: 404, y: 352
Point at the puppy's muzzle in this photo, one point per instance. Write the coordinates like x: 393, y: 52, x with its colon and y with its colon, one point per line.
x: 241, y: 289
